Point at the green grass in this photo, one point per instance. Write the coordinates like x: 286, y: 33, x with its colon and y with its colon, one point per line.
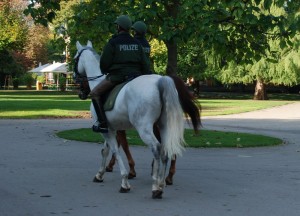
x: 213, y: 107
x: 54, y: 104
x: 41, y: 104
x: 206, y: 138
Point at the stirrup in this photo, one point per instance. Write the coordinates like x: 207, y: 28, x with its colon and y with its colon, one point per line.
x: 99, y: 129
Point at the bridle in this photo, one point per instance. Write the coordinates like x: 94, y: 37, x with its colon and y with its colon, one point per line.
x: 78, y: 76
x: 83, y: 79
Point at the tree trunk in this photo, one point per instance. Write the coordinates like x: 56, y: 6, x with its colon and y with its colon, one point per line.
x: 172, y: 57
x: 260, y: 91
x: 172, y: 8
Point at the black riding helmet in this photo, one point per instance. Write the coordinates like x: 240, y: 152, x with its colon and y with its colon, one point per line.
x: 124, y: 22
x: 140, y: 27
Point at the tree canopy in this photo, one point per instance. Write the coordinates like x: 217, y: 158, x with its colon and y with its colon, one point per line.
x: 13, y: 29
x: 232, y: 40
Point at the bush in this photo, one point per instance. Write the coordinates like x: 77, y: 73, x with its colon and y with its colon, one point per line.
x: 62, y: 83
x: 16, y: 82
x: 28, y: 80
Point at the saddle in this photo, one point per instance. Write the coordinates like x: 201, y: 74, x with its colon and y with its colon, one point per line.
x: 110, y: 97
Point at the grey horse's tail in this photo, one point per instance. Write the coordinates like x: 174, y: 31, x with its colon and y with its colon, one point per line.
x: 171, y: 122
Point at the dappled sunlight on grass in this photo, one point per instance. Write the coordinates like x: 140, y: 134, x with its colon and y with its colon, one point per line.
x: 47, y: 113
x: 211, y: 107
x: 43, y: 104
x: 206, y: 139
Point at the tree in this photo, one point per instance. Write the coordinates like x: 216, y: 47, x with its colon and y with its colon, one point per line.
x: 36, y: 47
x: 237, y: 30
x: 13, y: 35
x: 42, y: 11
x: 278, y: 67
x: 13, y: 29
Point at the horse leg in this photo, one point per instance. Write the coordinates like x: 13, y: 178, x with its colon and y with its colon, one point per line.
x: 162, y: 172
x: 110, y: 166
x: 159, y: 174
x: 172, y: 170
x: 104, y: 153
x: 150, y: 139
x: 121, y: 138
x: 111, y: 139
x: 125, y: 186
x: 156, y: 190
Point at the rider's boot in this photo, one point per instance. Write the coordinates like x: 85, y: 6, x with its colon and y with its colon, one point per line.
x: 102, y: 121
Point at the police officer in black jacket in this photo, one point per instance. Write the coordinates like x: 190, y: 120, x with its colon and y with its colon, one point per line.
x: 140, y: 30
x: 123, y: 58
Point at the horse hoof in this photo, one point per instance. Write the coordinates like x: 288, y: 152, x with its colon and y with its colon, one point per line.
x: 124, y: 190
x: 169, y: 181
x: 97, y: 180
x: 131, y: 175
x: 157, y: 194
x: 108, y: 169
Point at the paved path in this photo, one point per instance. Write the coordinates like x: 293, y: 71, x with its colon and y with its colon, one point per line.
x: 42, y: 174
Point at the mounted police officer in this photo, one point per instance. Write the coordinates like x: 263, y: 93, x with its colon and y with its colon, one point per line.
x: 140, y: 30
x: 122, y: 59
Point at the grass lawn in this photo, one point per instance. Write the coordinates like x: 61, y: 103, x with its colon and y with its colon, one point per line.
x: 206, y: 138
x: 53, y: 104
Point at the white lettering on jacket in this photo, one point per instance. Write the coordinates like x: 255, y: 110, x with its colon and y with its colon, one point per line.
x: 146, y: 49
x: 129, y: 47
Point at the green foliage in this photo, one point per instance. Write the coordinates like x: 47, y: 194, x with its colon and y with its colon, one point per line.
x: 237, y: 29
x: 62, y: 83
x: 16, y: 82
x: 158, y: 55
x: 41, y: 79
x: 13, y: 36
x: 234, y: 41
x: 13, y: 30
x: 9, y: 66
x: 191, y: 61
x: 28, y: 80
x: 44, y: 14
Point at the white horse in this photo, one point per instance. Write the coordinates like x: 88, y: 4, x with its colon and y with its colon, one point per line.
x: 141, y: 103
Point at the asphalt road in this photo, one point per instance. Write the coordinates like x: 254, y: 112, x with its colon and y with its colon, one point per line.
x: 41, y: 174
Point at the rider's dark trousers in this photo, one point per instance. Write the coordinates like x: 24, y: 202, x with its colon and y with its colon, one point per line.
x: 96, y: 95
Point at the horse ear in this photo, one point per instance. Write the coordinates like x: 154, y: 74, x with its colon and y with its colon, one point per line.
x: 89, y: 44
x: 78, y: 45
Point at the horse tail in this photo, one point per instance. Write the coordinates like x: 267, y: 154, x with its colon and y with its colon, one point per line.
x: 188, y: 104
x: 171, y: 122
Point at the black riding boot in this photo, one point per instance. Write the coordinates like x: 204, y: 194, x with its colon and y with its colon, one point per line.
x: 102, y: 126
